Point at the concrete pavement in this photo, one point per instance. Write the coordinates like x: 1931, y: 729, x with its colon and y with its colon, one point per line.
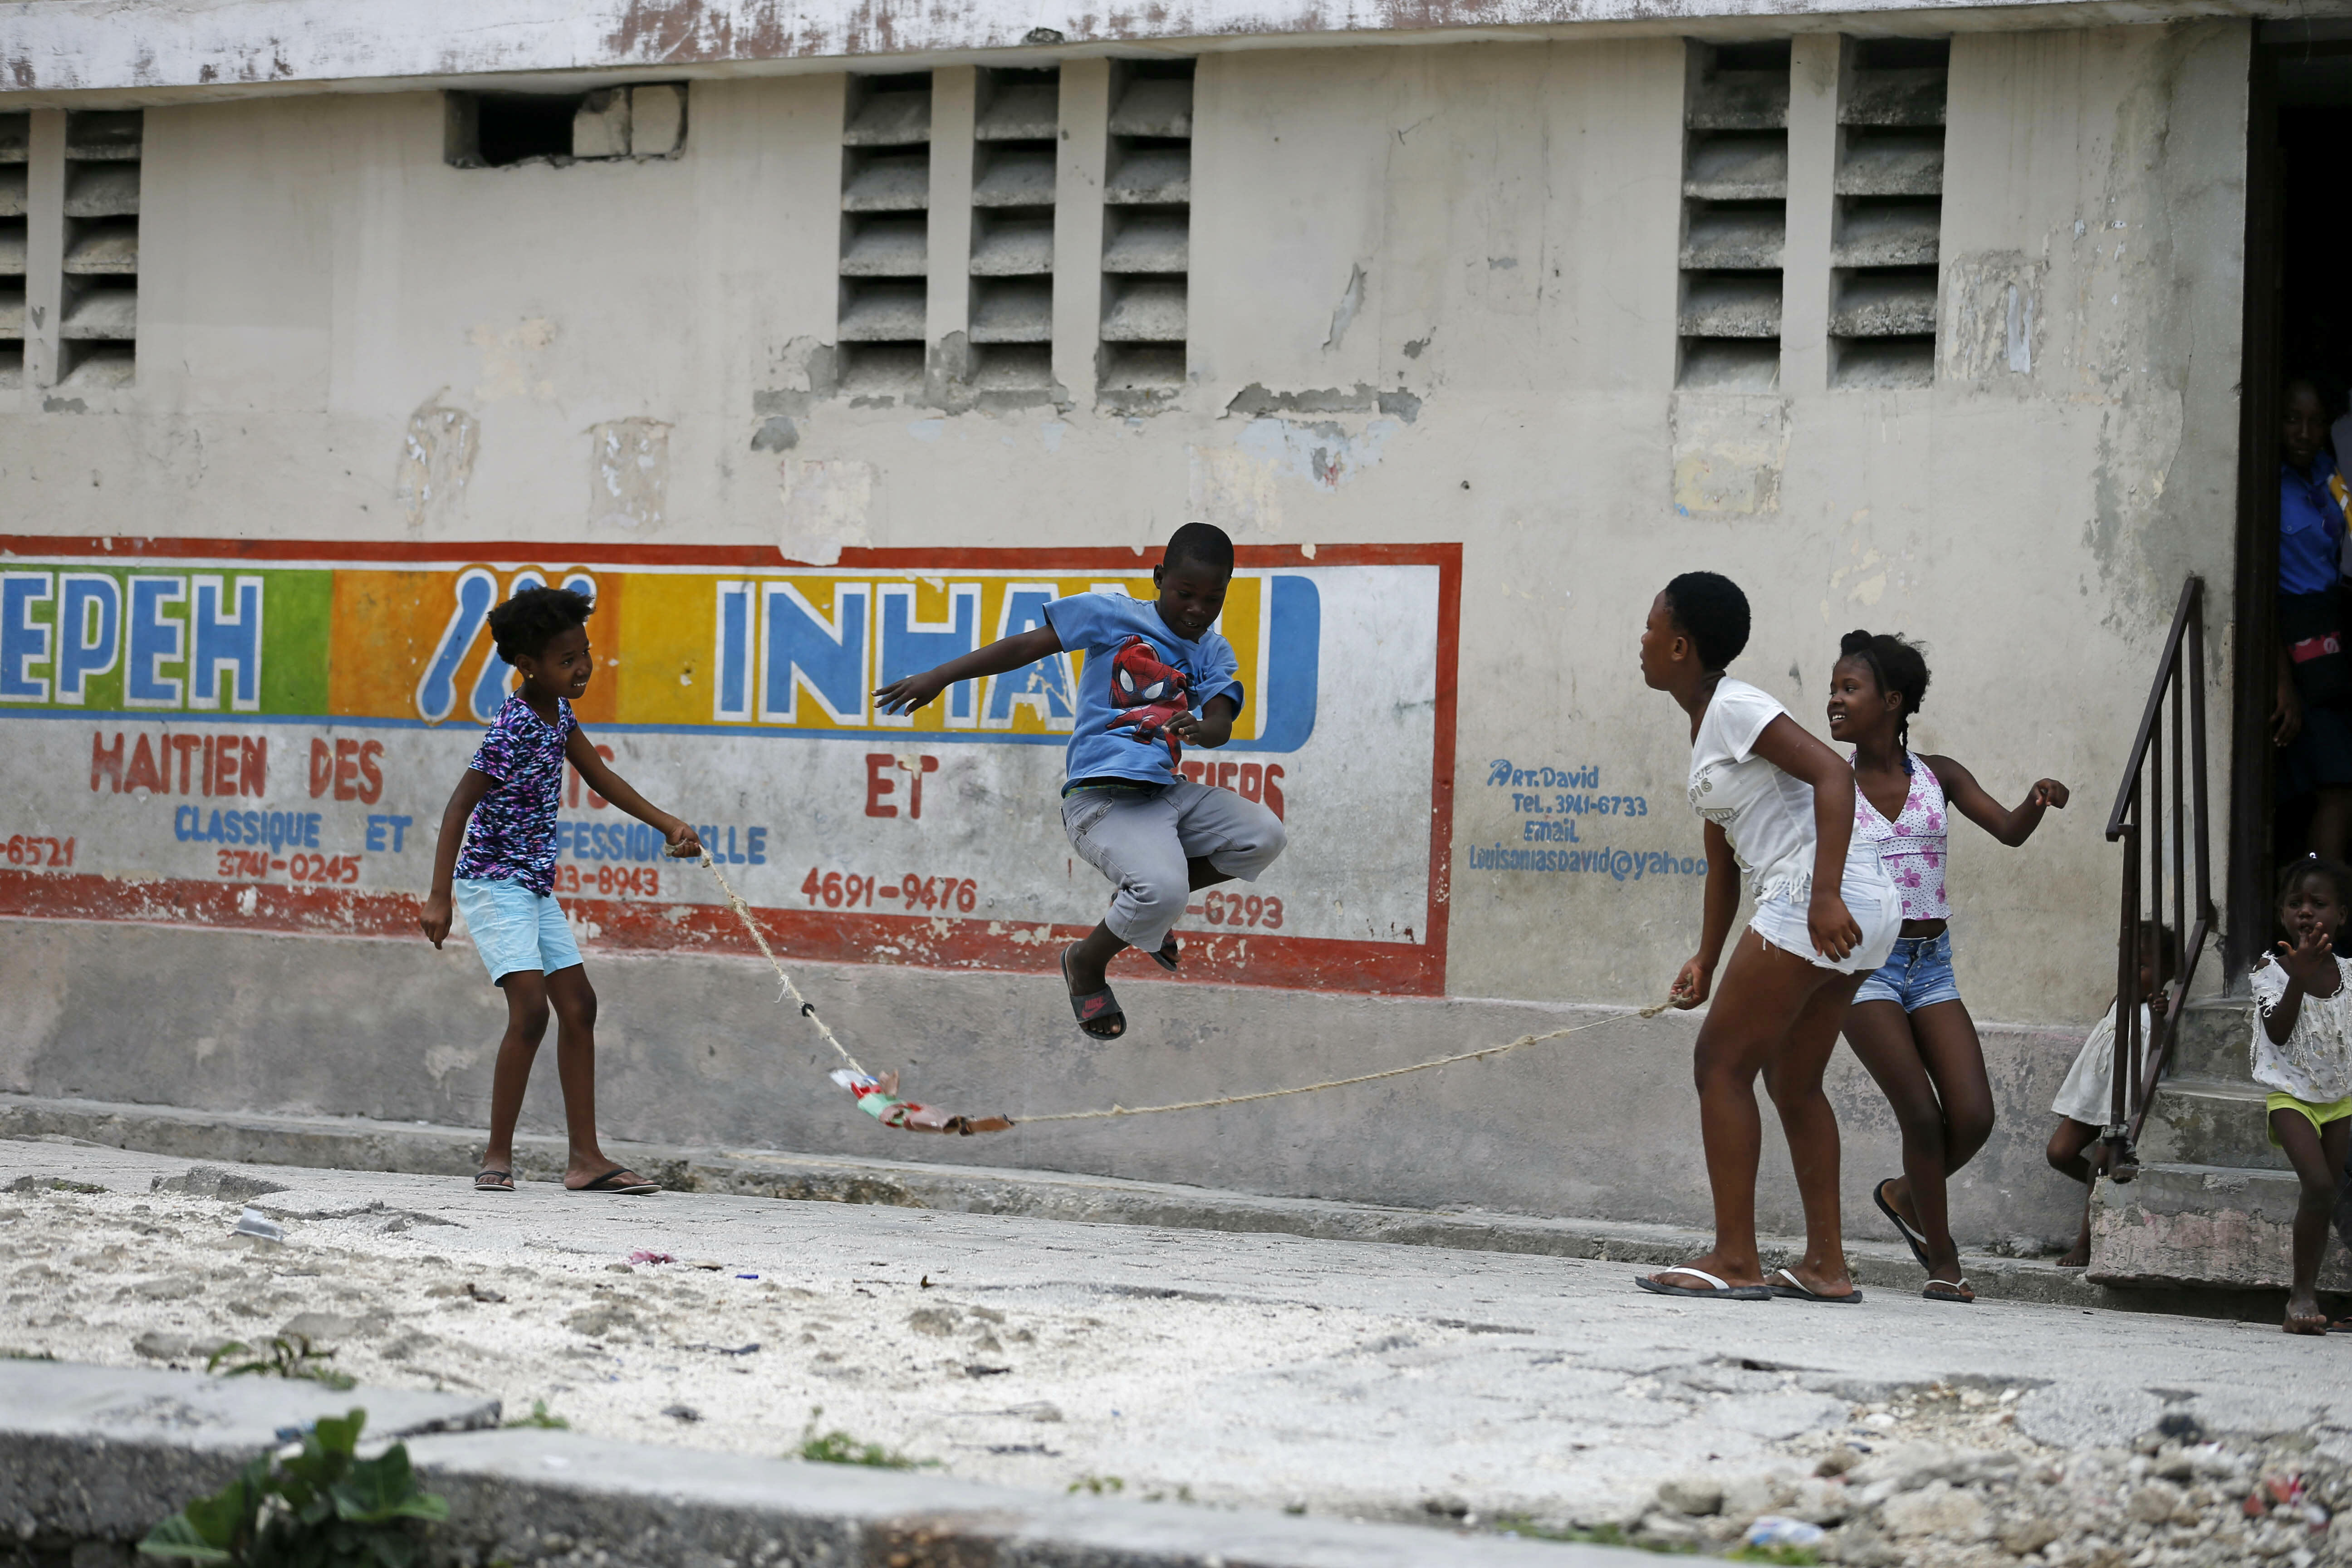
x: 1341, y: 1377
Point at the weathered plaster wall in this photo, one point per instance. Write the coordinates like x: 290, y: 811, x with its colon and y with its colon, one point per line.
x: 343, y: 338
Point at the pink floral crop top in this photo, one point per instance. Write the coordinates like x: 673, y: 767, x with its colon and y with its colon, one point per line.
x: 1912, y: 847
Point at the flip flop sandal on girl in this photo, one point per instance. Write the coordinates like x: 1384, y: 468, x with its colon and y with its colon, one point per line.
x: 1717, y: 1290
x: 1797, y: 1289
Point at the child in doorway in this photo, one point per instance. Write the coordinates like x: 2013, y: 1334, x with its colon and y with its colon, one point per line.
x: 1156, y: 671
x: 2302, y: 1049
x: 1779, y: 809
x: 2087, y: 1100
x: 1907, y: 1023
x: 495, y: 860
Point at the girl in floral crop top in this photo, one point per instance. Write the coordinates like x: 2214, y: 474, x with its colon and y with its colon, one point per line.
x: 1907, y: 1023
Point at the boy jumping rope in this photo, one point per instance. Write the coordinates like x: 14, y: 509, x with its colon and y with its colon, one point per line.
x: 503, y: 811
x: 1156, y: 679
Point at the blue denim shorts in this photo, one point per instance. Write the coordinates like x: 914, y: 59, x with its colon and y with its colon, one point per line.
x: 1917, y: 974
x: 514, y: 928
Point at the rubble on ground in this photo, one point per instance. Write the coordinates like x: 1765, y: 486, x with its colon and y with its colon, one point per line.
x: 1879, y: 1498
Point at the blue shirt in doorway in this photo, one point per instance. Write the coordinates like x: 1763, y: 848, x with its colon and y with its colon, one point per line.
x: 2311, y: 528
x: 1095, y: 624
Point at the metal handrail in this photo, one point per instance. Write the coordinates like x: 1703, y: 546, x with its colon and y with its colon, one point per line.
x: 2141, y: 820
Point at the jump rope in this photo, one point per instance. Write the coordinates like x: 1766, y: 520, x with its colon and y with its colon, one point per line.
x: 878, y: 1094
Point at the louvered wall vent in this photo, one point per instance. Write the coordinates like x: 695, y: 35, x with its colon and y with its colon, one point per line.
x: 1735, y: 214
x: 1890, y: 213
x: 885, y: 201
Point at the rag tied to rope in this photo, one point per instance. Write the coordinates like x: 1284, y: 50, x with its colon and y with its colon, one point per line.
x: 878, y: 1093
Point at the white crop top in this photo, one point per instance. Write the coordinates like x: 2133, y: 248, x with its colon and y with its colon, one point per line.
x: 1768, y: 814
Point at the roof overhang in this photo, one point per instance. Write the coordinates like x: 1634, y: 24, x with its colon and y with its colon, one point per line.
x: 159, y: 51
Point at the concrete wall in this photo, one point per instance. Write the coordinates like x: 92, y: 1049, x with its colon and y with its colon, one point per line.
x: 1491, y: 230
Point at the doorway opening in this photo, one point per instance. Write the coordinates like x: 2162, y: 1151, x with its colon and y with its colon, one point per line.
x: 2287, y: 800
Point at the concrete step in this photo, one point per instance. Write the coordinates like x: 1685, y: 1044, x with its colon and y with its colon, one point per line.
x: 2210, y: 1121
x: 2190, y: 1225
x: 2214, y: 1035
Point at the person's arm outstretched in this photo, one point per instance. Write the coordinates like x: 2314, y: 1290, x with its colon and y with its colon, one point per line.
x: 472, y: 785
x: 1788, y: 747
x: 1001, y: 657
x: 2011, y: 827
x: 1697, y: 978
x: 598, y: 775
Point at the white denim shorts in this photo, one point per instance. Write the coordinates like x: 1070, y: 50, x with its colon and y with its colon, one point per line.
x: 514, y: 928
x: 1870, y: 898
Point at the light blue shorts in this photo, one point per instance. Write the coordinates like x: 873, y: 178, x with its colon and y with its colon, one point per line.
x: 514, y: 928
x: 1917, y: 974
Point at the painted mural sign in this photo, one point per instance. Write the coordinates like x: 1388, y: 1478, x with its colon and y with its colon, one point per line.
x: 263, y: 736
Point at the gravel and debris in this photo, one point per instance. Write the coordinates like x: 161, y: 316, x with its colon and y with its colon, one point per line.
x: 1467, y: 1391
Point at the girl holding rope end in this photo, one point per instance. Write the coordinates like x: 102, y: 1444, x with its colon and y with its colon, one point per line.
x: 1778, y: 808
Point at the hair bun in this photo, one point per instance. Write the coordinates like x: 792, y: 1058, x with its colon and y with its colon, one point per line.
x: 1852, y: 643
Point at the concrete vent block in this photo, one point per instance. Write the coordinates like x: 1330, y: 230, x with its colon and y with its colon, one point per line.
x: 16, y: 137
x: 12, y: 191
x: 1730, y: 364
x: 1894, y: 233
x: 1740, y: 101
x: 600, y: 126
x: 657, y: 120
x: 1892, y: 164
x: 1883, y: 364
x: 887, y: 248
x: 884, y: 312
x: 1912, y: 97
x: 1896, y: 303
x: 1014, y: 246
x: 101, y: 190
x: 1156, y: 176
x: 1016, y: 177
x: 897, y: 182
x: 891, y: 119
x: 1150, y: 242
x: 1154, y: 107
x: 1731, y: 305
x: 1735, y: 238
x: 1738, y: 167
x: 1026, y: 113
x: 1014, y: 311
x: 1146, y: 310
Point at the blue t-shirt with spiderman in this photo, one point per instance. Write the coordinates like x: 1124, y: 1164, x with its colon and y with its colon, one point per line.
x: 1096, y: 625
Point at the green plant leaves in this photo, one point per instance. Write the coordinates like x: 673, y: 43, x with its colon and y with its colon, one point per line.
x: 176, y: 1537
x: 320, y: 1507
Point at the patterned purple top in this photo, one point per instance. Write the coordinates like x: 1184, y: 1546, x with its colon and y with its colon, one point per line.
x: 511, y: 838
x: 1912, y: 847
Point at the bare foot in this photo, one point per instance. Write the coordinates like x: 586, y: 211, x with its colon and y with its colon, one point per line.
x: 2077, y: 1257
x: 2304, y: 1315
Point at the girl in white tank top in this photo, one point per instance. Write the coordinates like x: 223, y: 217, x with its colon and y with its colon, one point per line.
x: 1907, y: 1023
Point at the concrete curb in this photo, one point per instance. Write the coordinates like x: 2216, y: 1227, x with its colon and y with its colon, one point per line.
x: 353, y: 1144
x: 111, y: 1451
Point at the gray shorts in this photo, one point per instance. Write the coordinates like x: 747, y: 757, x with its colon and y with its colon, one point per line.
x: 1141, y: 843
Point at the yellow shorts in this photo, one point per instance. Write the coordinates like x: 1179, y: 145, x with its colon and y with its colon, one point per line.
x: 2319, y: 1115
